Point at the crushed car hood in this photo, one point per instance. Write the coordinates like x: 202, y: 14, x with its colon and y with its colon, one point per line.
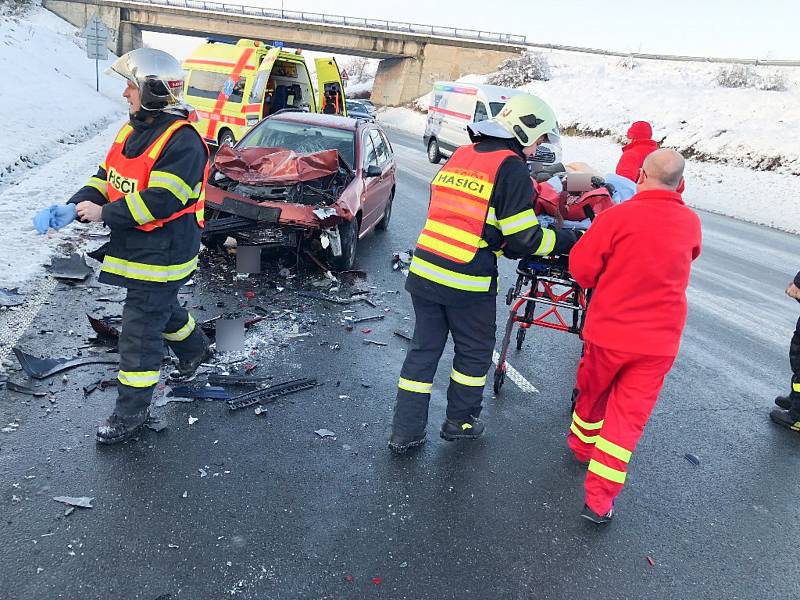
x: 271, y: 166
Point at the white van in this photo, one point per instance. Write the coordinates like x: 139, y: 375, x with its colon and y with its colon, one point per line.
x: 452, y: 107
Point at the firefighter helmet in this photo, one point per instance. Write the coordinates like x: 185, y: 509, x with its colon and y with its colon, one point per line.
x: 158, y: 75
x: 524, y: 117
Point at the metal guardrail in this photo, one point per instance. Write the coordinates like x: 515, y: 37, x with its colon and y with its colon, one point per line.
x: 340, y: 20
x: 743, y: 61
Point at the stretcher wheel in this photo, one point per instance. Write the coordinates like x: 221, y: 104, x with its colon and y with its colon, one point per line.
x: 520, y: 337
x: 499, y: 380
x: 509, y: 296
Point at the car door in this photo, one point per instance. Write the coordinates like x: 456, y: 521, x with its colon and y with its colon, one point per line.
x: 371, y: 184
x: 386, y: 163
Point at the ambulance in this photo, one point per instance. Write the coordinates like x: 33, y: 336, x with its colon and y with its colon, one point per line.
x: 455, y: 105
x: 233, y: 86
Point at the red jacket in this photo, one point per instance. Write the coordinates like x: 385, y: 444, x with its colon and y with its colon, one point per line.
x: 633, y: 156
x: 637, y: 257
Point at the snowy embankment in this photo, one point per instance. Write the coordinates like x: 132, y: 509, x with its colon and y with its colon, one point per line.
x: 56, y: 128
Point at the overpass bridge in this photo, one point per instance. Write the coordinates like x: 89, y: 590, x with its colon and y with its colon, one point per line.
x: 412, y: 56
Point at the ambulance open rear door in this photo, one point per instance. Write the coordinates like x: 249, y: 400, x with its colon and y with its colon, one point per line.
x: 330, y: 88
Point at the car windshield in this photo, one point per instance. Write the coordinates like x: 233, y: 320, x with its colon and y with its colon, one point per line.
x: 300, y: 137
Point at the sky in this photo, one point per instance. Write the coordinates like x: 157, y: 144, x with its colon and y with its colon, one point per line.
x: 729, y: 28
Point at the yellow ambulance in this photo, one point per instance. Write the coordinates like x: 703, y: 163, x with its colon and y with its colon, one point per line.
x: 233, y: 86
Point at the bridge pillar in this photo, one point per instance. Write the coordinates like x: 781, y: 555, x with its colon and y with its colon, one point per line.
x: 401, y: 80
x: 129, y: 38
x: 78, y: 14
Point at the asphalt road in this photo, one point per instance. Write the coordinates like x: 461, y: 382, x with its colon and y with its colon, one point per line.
x: 259, y: 507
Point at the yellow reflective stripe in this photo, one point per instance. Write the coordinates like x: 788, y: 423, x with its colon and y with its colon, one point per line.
x: 491, y: 218
x: 612, y: 449
x: 548, y: 242
x: 454, y: 233
x: 123, y: 133
x: 145, y: 272
x: 173, y: 183
x: 445, y: 248
x: 585, y: 424
x: 465, y: 426
x: 796, y: 387
x: 467, y: 379
x: 605, y: 472
x: 463, y: 183
x: 498, y: 253
x: 182, y: 333
x: 138, y: 379
x: 138, y: 209
x: 418, y: 387
x: 519, y: 222
x: 100, y: 185
x: 164, y: 138
x: 446, y: 277
x: 586, y: 439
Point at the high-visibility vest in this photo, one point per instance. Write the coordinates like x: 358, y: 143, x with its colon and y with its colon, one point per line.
x: 128, y: 176
x: 460, y: 195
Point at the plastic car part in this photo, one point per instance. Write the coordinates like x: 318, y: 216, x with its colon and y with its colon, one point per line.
x: 73, y: 267
x: 41, y: 368
x: 268, y: 394
x: 207, y: 392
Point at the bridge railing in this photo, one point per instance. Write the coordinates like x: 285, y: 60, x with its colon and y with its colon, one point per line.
x: 325, y: 19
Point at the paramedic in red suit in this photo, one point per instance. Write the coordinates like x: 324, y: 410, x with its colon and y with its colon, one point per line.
x: 633, y: 154
x: 634, y: 322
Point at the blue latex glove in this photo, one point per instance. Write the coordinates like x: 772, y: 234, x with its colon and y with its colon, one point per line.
x: 42, y: 219
x: 62, y: 215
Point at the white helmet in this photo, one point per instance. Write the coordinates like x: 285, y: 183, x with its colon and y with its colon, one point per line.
x: 158, y: 75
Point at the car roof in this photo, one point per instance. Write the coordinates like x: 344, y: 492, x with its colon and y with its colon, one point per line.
x: 332, y: 121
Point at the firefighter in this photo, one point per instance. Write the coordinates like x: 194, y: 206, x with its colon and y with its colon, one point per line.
x: 149, y: 191
x: 634, y: 322
x: 788, y: 415
x: 481, y: 207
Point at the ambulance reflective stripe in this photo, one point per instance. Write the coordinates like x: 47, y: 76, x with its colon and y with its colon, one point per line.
x: 446, y: 277
x: 518, y: 222
x: 138, y: 209
x: 145, y: 272
x: 418, y: 387
x: 179, y: 188
x: 467, y: 380
x: 182, y: 333
x: 138, y: 379
x: 216, y: 113
x: 99, y: 184
x: 606, y: 472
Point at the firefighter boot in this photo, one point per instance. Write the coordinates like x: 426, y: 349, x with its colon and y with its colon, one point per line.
x: 588, y: 514
x: 785, y: 418
x: 117, y: 429
x: 400, y: 444
x: 187, y: 370
x: 470, y: 429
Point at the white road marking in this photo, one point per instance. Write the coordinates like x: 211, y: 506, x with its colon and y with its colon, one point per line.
x: 515, y: 376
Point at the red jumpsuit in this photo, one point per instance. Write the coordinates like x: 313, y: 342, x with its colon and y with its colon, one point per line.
x: 641, y: 144
x: 637, y: 257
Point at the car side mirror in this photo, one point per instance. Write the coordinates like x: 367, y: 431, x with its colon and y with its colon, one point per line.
x: 373, y: 171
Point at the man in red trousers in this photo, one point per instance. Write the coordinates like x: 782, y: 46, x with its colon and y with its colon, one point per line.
x: 636, y: 257
x: 638, y: 148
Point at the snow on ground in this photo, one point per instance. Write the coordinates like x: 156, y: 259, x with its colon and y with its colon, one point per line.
x: 408, y: 120
x: 48, y: 100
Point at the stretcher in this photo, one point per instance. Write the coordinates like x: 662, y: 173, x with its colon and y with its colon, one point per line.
x: 545, y: 295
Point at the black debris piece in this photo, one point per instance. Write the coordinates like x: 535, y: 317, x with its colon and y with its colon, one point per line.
x: 268, y: 394
x: 375, y: 343
x: 21, y: 389
x: 692, y: 459
x: 73, y: 267
x: 104, y: 330
x: 401, y: 260
x: 10, y: 297
x: 99, y: 254
x: 371, y: 318
x: 216, y: 379
x: 206, y: 392
x: 403, y: 334
x: 41, y: 368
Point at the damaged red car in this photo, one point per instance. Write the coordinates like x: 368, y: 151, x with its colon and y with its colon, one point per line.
x: 304, y: 181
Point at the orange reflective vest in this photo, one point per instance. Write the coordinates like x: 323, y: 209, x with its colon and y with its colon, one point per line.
x: 460, y: 195
x: 127, y: 177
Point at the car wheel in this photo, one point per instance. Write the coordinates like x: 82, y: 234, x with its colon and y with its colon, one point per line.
x: 434, y: 155
x: 383, y: 224
x: 348, y: 231
x: 226, y: 137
